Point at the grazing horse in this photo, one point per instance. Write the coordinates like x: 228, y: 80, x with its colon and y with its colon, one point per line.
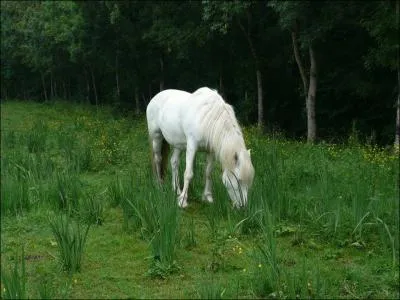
x: 199, y: 121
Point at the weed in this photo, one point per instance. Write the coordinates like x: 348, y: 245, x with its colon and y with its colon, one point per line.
x: 36, y: 137
x: 66, y: 144
x: 321, y: 220
x: 83, y: 159
x: 9, y: 140
x: 91, y: 209
x: 211, y: 291
x: 266, y: 258
x: 114, y: 192
x: 71, y: 239
x: 13, y: 281
x: 189, y: 240
x: 65, y: 192
x: 160, y: 269
x: 45, y: 290
x: 159, y: 219
x: 14, y: 196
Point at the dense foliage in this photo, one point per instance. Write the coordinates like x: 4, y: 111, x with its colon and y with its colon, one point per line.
x: 123, y: 52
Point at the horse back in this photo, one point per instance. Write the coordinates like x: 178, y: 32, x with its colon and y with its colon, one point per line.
x: 165, y: 113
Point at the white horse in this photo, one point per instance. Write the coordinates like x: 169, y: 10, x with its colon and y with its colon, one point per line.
x: 199, y: 121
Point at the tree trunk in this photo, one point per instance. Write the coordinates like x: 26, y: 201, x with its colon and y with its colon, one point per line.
x: 310, y: 105
x: 144, y: 99
x: 117, y: 76
x: 150, y: 92
x: 44, y: 87
x: 161, y: 74
x: 397, y: 134
x: 137, y: 102
x: 94, y: 86
x: 260, y: 103
x: 55, y: 89
x: 51, y: 85
x: 69, y: 89
x: 309, y: 87
x: 23, y: 90
x: 221, y: 85
x: 4, y: 93
x: 87, y: 87
x: 299, y: 62
x: 64, y: 91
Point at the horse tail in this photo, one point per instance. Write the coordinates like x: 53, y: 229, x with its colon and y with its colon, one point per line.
x: 164, y: 158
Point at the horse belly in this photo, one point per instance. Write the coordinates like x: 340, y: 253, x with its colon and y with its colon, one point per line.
x: 171, y: 129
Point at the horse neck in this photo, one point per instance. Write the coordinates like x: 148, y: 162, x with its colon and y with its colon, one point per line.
x: 232, y: 143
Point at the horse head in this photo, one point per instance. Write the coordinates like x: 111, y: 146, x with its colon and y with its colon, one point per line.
x: 238, y: 180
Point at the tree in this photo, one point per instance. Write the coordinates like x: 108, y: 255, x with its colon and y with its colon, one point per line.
x: 122, y: 52
x: 299, y: 18
x: 220, y: 16
x: 382, y: 20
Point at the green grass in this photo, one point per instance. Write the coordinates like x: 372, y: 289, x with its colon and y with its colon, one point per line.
x: 322, y: 220
x: 70, y: 238
x: 13, y: 280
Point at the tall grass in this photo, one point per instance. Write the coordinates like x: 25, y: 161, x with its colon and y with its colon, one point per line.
x: 76, y: 154
x: 211, y: 290
x: 14, y: 196
x: 342, y: 197
x: 27, y: 166
x: 152, y: 210
x: 91, y: 209
x: 189, y: 239
x: 71, y: 239
x: 64, y: 192
x: 14, y: 280
x: 166, y: 235
x: 121, y: 192
x: 36, y: 137
x: 9, y: 139
x: 267, y: 279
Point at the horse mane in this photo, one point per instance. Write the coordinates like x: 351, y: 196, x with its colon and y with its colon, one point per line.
x: 221, y: 130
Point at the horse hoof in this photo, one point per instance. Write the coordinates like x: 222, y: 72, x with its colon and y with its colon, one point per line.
x: 183, y: 205
x: 182, y: 202
x: 208, y: 198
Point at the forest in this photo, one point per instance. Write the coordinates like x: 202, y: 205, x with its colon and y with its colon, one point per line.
x: 312, y: 70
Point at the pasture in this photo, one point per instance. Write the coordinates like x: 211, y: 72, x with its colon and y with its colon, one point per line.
x: 82, y: 216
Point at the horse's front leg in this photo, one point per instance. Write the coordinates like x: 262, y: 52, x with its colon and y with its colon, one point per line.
x: 175, y: 170
x: 207, y: 194
x: 190, y: 154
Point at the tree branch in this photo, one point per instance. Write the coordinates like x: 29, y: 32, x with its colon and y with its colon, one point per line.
x: 249, y: 41
x: 298, y: 59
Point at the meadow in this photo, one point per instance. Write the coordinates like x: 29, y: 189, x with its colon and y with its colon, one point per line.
x: 81, y: 216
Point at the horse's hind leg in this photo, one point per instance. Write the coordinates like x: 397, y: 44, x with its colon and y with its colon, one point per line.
x: 175, y: 170
x: 157, y: 140
x: 207, y: 195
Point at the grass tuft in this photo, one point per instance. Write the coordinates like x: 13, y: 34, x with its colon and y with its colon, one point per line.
x: 71, y: 239
x: 14, y: 280
x: 36, y: 137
